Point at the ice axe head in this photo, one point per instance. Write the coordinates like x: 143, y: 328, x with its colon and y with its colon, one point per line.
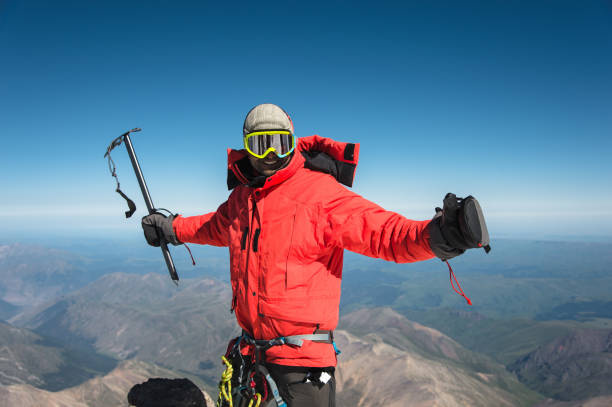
x: 117, y: 142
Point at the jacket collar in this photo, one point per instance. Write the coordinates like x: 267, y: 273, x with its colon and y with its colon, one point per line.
x: 314, y: 152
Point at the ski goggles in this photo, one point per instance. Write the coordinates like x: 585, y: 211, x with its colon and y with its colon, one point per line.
x: 261, y: 143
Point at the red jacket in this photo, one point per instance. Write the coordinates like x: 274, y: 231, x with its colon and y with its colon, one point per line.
x: 286, y: 239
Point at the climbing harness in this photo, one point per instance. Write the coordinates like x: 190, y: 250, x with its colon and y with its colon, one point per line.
x: 225, y: 385
x: 246, y: 382
x: 125, y: 139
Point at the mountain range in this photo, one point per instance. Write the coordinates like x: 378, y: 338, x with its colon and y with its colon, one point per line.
x: 28, y: 358
x: 32, y: 275
x: 574, y: 367
x: 406, y: 338
x: 388, y: 360
x: 144, y: 317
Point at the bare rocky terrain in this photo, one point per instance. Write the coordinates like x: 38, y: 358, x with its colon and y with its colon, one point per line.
x: 144, y: 317
x: 28, y: 358
x: 603, y: 401
x: 396, y: 362
x: 573, y: 367
x: 105, y: 391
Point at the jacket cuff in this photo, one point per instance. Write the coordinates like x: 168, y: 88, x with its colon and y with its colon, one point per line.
x: 169, y: 233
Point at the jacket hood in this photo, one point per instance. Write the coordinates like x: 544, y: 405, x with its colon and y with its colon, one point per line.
x: 315, y: 153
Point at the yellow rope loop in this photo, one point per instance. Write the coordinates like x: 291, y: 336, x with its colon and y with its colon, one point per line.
x: 258, y: 397
x: 225, y: 385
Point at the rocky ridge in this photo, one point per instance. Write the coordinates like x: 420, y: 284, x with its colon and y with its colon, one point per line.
x: 106, y: 391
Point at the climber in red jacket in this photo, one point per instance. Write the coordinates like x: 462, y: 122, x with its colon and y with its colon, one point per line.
x: 287, y: 222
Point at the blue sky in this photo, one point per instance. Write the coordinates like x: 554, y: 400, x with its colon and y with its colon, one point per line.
x: 510, y: 101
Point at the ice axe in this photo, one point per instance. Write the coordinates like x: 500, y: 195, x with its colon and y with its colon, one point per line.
x: 125, y: 139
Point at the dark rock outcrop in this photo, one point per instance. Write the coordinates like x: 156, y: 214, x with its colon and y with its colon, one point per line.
x: 574, y: 367
x: 166, y: 393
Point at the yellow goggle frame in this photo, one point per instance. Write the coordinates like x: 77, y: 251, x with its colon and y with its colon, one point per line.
x: 270, y: 132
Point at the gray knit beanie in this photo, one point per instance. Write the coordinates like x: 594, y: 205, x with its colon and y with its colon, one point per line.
x: 267, y: 116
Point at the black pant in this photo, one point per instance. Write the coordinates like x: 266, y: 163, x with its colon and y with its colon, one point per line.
x: 300, y: 386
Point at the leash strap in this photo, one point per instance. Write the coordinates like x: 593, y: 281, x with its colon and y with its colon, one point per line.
x: 452, y: 277
x: 113, y: 171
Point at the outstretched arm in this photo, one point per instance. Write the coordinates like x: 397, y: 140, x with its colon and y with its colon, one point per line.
x: 361, y: 226
x: 211, y: 228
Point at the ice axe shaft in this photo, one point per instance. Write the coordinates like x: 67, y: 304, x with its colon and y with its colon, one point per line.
x: 147, y: 198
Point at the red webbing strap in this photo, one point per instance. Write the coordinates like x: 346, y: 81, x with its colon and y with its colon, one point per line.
x: 189, y: 250
x: 452, y: 277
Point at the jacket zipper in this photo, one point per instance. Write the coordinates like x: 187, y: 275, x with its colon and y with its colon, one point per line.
x: 245, y: 233
x: 246, y: 244
x: 256, y: 240
x: 234, y: 299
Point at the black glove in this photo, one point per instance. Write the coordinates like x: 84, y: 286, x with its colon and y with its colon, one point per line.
x: 457, y: 227
x: 158, y: 227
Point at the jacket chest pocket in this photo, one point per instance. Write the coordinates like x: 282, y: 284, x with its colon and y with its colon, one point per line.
x: 273, y: 249
x: 292, y: 251
x: 305, y: 256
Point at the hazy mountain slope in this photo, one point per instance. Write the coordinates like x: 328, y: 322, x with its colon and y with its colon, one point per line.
x: 7, y: 310
x: 145, y: 317
x: 573, y: 367
x: 108, y: 391
x: 579, y: 311
x: 426, y: 345
x: 31, y: 275
x: 27, y: 358
x: 603, y: 401
x: 22, y: 359
x: 375, y: 374
x: 563, y: 360
x: 504, y: 340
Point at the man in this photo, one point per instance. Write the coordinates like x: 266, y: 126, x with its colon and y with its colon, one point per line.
x: 287, y: 222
